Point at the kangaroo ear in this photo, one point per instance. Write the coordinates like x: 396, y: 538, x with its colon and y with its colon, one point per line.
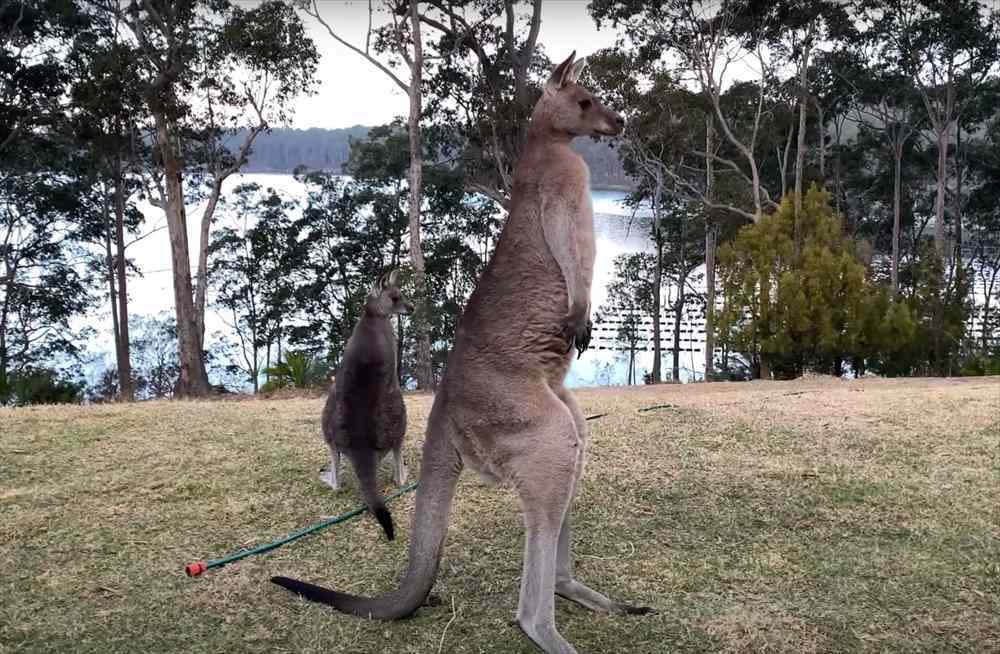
x: 574, y: 72
x: 393, y: 279
x: 559, y: 76
x: 380, y: 284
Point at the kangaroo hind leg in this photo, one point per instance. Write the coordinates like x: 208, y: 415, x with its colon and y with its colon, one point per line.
x: 566, y: 584
x: 543, y: 472
x: 398, y: 467
x: 331, y: 475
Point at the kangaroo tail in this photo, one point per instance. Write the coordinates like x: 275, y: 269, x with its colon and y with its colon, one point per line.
x: 439, y: 472
x: 365, y: 464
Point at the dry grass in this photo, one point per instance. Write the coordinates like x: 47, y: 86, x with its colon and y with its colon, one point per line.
x: 808, y: 516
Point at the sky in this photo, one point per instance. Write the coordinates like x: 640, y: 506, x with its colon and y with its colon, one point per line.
x: 351, y: 91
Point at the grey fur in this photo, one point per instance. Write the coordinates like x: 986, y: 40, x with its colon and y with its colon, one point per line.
x: 364, y: 417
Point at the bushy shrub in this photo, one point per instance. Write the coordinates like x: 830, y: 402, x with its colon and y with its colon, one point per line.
x: 299, y: 370
x: 798, y: 297
x: 39, y: 386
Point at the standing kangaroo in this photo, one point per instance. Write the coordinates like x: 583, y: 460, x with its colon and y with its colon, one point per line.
x: 501, y: 407
x: 364, y: 416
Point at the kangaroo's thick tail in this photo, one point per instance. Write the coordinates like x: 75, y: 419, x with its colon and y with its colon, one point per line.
x: 439, y: 472
x: 365, y: 466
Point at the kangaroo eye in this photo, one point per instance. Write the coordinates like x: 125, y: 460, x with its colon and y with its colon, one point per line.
x: 585, y: 104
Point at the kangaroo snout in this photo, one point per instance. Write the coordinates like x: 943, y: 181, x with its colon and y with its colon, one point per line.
x: 613, y: 124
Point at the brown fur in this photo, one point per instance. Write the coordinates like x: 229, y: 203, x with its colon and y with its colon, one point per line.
x: 501, y: 408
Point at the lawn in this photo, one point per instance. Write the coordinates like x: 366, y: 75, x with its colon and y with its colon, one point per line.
x: 809, y: 516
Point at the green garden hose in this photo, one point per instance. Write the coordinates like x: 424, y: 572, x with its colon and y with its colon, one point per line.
x: 195, y: 569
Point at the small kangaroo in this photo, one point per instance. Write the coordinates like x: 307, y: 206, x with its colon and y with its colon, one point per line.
x: 364, y: 416
x: 501, y: 407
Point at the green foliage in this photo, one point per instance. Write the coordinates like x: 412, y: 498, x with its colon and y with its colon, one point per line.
x: 155, y: 363
x: 979, y: 364
x: 39, y: 386
x: 254, y: 258
x: 789, y: 308
x: 299, y: 370
x: 939, y: 304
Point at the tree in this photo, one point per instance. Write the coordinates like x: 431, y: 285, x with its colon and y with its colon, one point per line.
x: 629, y: 302
x: 653, y: 148
x: 984, y: 228
x: 708, y: 38
x: 32, y: 74
x: 787, y: 313
x: 349, y: 232
x: 403, y: 38
x: 252, y: 273
x: 947, y: 49
x: 682, y: 230
x: 485, y: 84
x: 887, y: 104
x: 155, y: 356
x: 939, y: 306
x: 105, y: 106
x: 41, y: 285
x: 794, y: 30
x: 183, y: 50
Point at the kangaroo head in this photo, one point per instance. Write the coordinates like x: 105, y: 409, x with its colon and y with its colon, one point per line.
x: 567, y: 108
x: 385, y: 298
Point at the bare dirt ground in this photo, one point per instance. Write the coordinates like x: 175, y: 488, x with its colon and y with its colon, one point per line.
x: 810, y: 516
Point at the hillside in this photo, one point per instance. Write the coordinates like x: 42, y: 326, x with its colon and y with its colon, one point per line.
x: 281, y: 150
x: 817, y: 515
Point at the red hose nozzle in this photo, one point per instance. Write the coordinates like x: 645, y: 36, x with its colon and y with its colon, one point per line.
x: 195, y: 569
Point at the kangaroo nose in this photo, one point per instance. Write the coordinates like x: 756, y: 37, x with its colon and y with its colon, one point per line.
x: 620, y: 120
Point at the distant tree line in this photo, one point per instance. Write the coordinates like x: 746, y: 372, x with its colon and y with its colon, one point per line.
x: 282, y: 150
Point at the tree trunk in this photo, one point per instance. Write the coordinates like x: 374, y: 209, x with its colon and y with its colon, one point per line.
x: 765, y: 369
x: 201, y: 290
x: 421, y: 319
x: 109, y: 271
x: 123, y: 346
x: 710, y: 238
x: 942, y: 179
x: 192, y: 380
x: 800, y: 152
x: 821, y: 141
x: 896, y: 211
x: 630, y: 377
x: 678, y: 316
x: 783, y: 162
x: 838, y: 131
x: 958, y: 191
x: 657, y: 375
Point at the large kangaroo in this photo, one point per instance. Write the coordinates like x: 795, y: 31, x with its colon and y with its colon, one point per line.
x: 364, y: 416
x: 502, y: 408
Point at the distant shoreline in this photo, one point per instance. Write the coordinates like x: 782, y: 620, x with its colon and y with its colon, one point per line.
x: 620, y: 188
